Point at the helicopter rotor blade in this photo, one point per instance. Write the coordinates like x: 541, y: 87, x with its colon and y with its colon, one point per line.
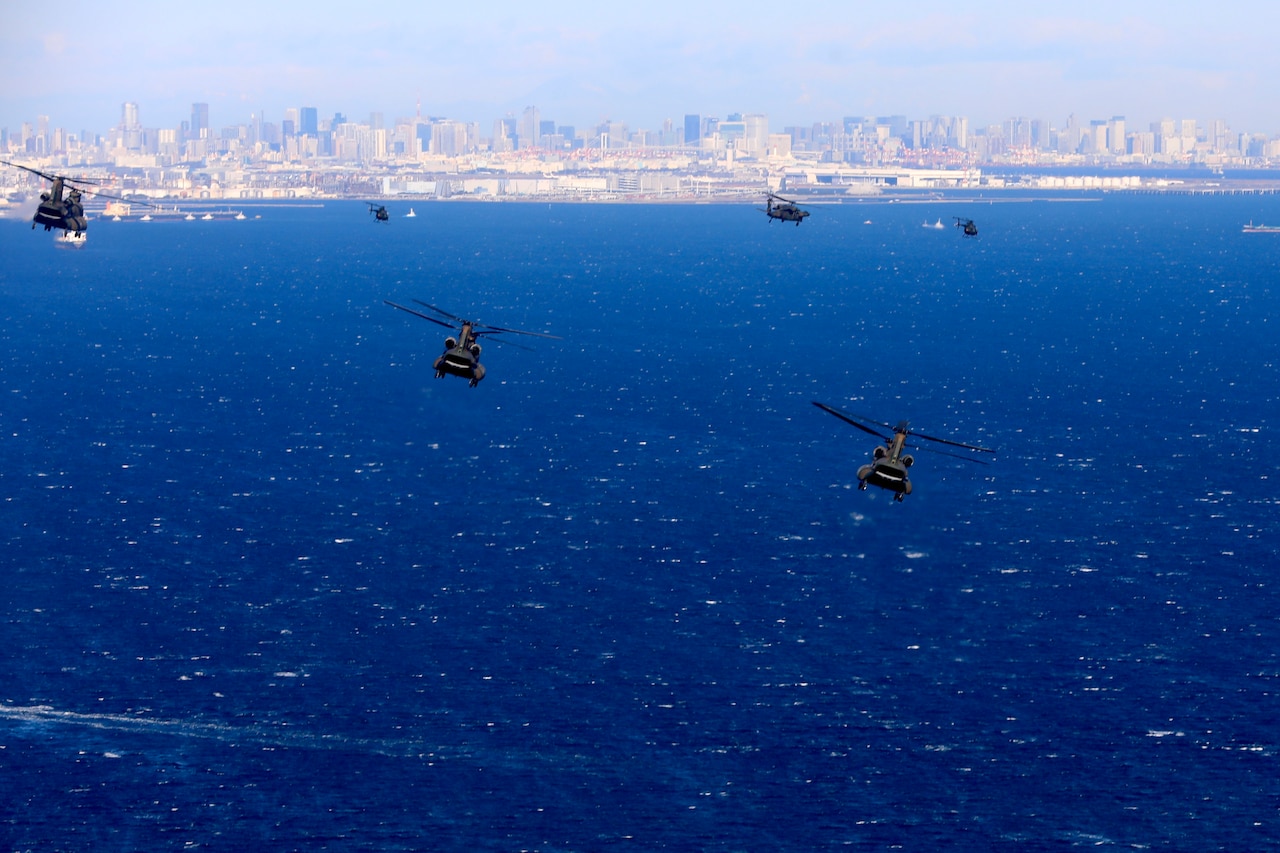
x: 49, y: 177
x: 489, y: 330
x: 972, y: 459
x: 419, y: 314
x: 849, y: 419
x: 952, y: 443
x: 97, y: 194
x: 504, y: 342
x: 834, y: 409
x: 441, y: 311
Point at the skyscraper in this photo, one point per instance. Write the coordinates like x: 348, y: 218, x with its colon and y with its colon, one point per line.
x: 528, y: 131
x: 199, y: 120
x: 692, y: 129
x: 309, y: 121
x: 130, y: 126
x: 755, y: 132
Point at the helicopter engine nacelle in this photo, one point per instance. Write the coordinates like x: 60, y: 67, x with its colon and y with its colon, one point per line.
x: 908, y: 461
x: 450, y: 343
x: 475, y: 350
x: 880, y: 453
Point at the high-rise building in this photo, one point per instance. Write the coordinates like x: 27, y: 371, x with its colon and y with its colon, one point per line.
x: 309, y: 121
x: 130, y: 127
x: 528, y: 129
x: 199, y: 121
x: 504, y: 129
x: 1116, y: 135
x: 755, y: 132
x: 692, y: 129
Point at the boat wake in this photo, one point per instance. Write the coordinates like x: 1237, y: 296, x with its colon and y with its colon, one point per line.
x: 264, y: 735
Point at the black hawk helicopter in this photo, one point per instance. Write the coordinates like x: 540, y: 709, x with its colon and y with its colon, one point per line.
x: 379, y: 212
x: 888, y: 466
x: 462, y: 353
x: 785, y: 210
x: 970, y: 230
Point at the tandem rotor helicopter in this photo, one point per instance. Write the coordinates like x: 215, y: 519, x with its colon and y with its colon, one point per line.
x: 970, y: 230
x: 462, y: 353
x: 62, y: 207
x: 379, y: 212
x: 783, y: 209
x: 888, y: 466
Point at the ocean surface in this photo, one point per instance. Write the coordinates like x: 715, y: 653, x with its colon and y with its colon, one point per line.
x: 270, y: 584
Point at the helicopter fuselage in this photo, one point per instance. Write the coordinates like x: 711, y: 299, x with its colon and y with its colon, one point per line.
x: 58, y: 212
x: 888, y: 467
x: 461, y: 356
x: 787, y: 212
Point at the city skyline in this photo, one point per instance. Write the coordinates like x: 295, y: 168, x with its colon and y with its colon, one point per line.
x: 303, y: 133
x: 644, y: 64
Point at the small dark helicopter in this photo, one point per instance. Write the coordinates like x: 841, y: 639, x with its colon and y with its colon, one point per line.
x: 462, y: 353
x: 970, y: 230
x: 888, y: 466
x: 379, y: 212
x: 783, y: 209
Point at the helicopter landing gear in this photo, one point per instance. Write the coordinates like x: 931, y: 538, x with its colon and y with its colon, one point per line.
x: 898, y: 497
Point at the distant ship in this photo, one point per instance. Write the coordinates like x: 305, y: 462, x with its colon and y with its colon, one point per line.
x: 1261, y: 229
x: 410, y: 214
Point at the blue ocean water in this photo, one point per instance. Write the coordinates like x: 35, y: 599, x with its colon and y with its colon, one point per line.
x: 271, y: 585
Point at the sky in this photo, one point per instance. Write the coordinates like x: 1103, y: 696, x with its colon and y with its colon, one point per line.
x: 581, y: 63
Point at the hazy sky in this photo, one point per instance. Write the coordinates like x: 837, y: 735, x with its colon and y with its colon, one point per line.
x: 798, y: 61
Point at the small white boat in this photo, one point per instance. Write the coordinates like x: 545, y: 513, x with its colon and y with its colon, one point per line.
x: 189, y: 218
x: 240, y: 215
x: 146, y: 217
x: 207, y: 216
x: 410, y: 214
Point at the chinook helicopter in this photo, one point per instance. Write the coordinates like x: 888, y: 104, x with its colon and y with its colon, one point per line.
x: 62, y: 206
x: 379, y: 212
x: 462, y: 353
x: 888, y: 466
x: 56, y: 209
x: 785, y: 210
x: 970, y: 230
